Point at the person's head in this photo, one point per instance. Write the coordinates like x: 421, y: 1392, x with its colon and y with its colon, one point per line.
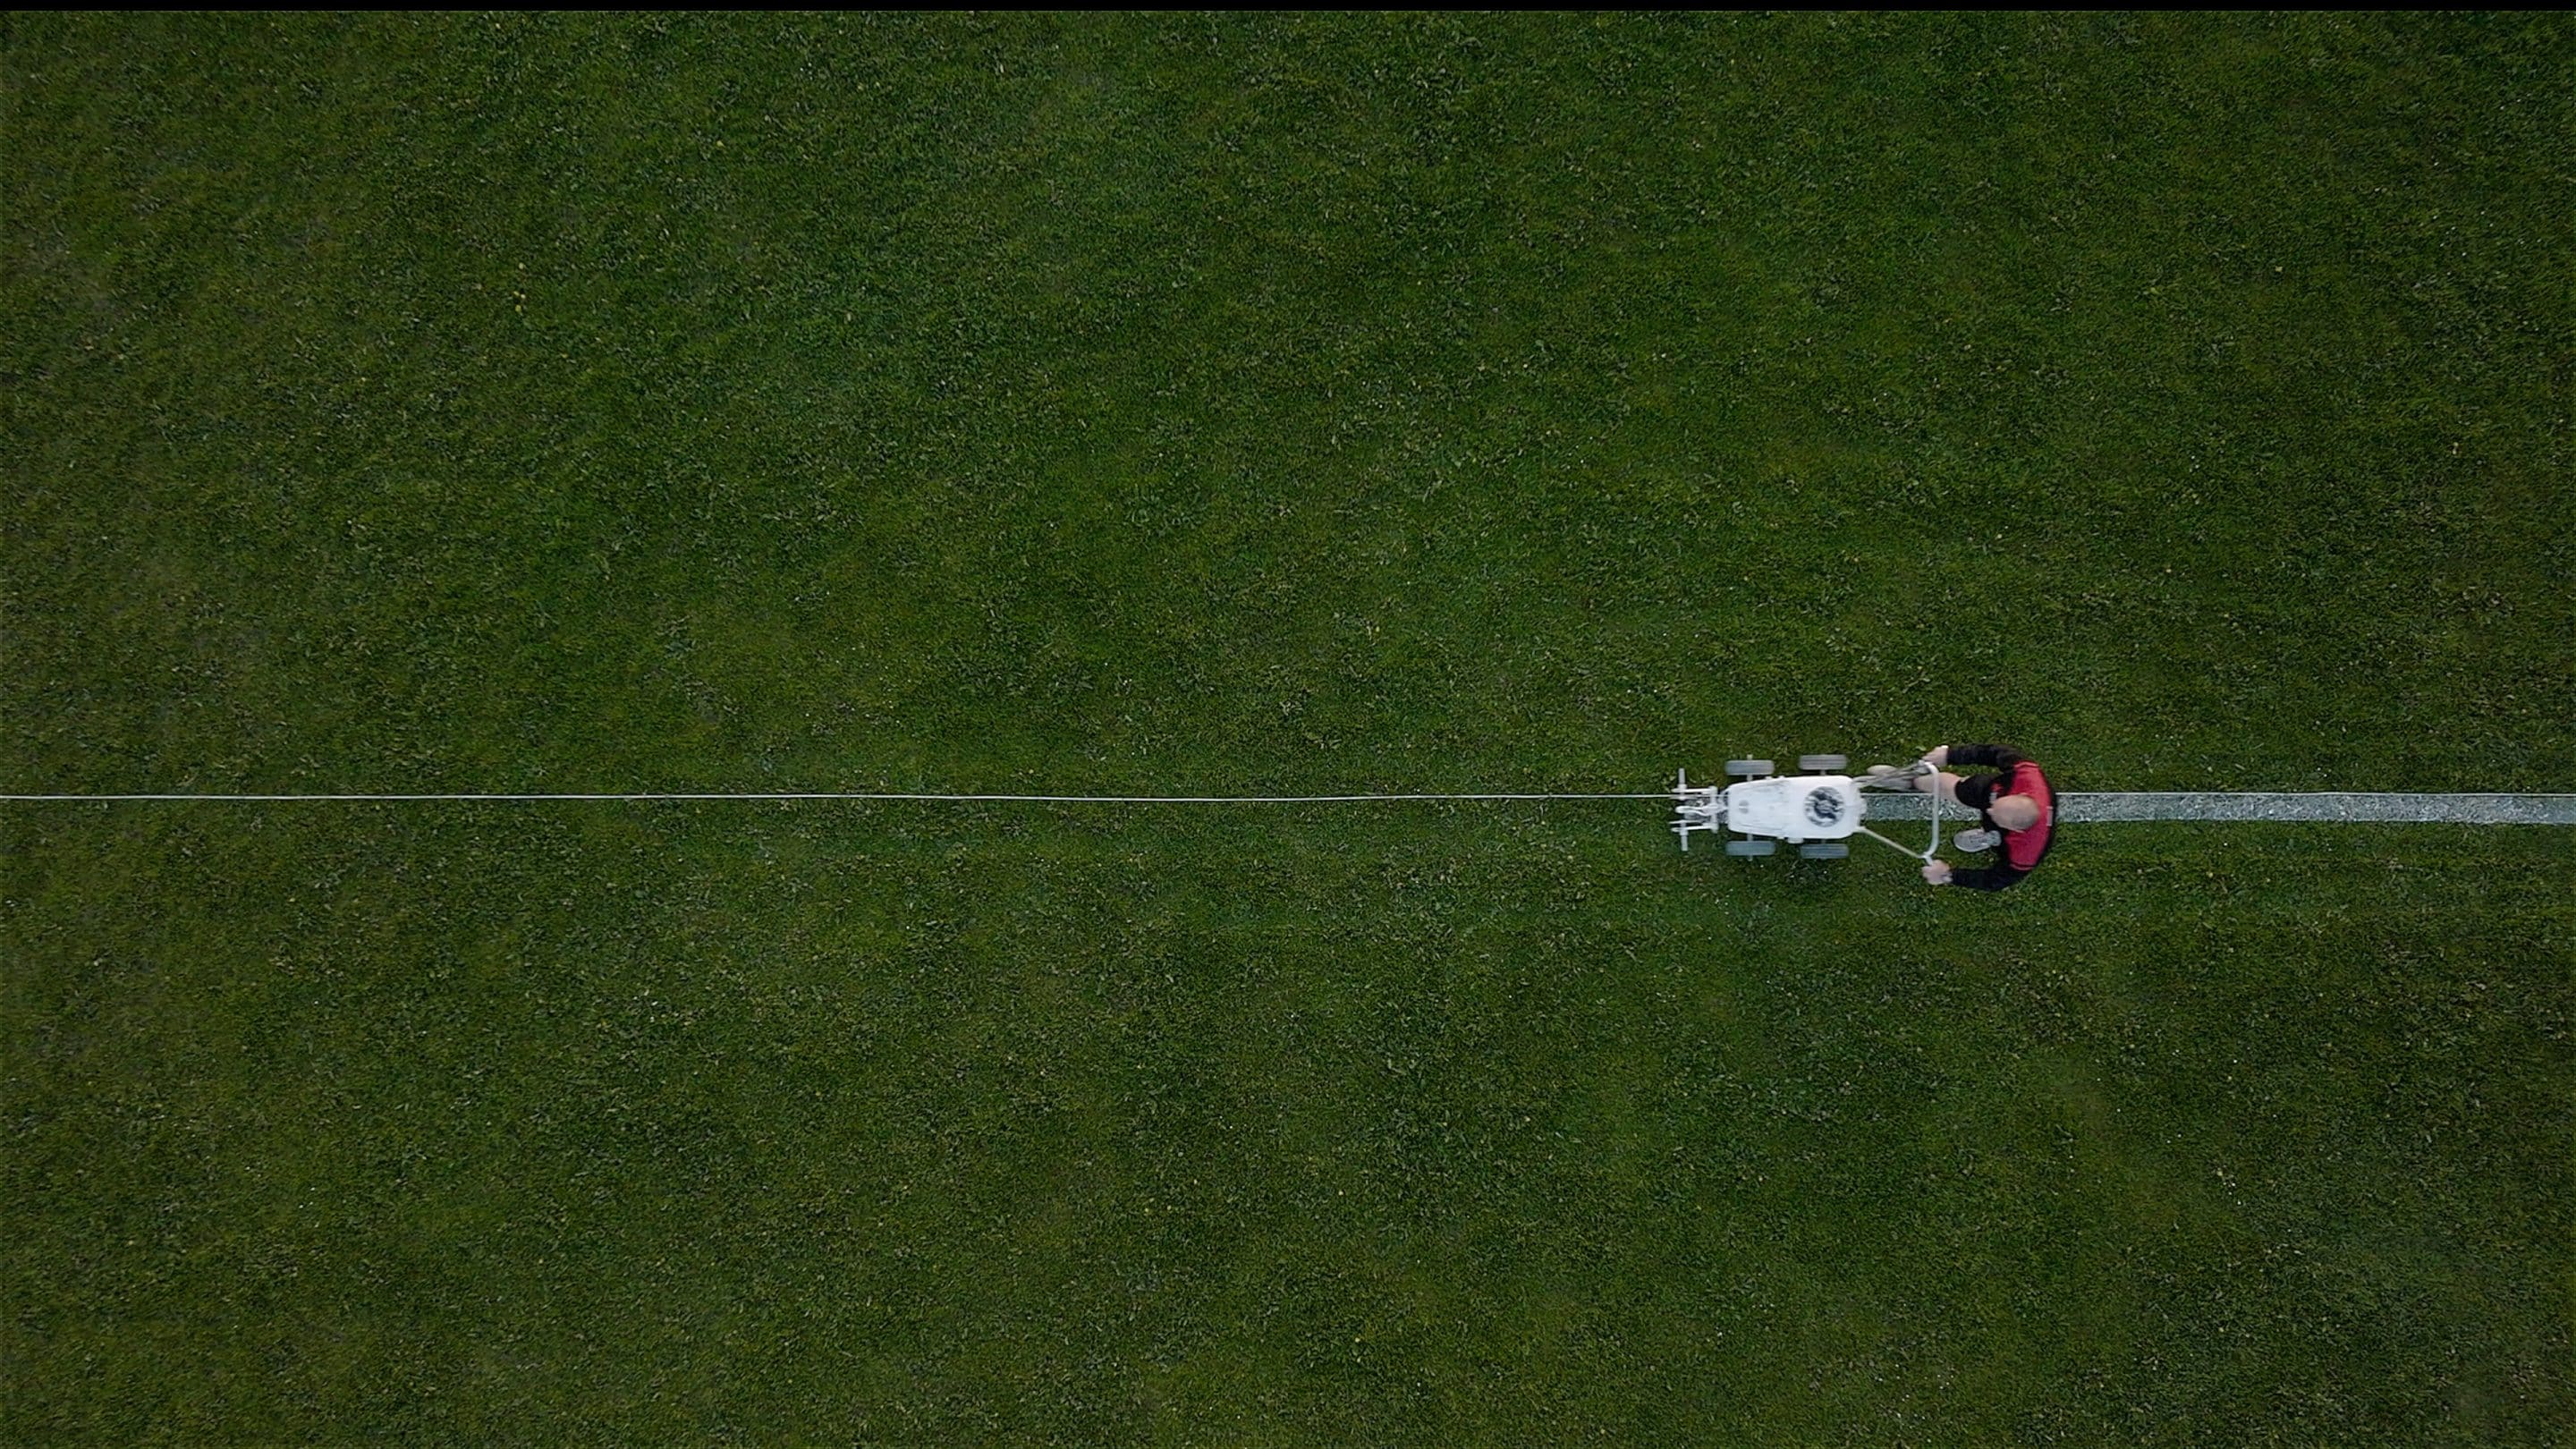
x: 2014, y: 812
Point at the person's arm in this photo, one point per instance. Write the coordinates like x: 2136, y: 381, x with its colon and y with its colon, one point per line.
x: 1998, y: 757
x: 1985, y: 877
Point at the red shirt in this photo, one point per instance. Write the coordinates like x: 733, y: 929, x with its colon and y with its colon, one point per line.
x: 2024, y: 847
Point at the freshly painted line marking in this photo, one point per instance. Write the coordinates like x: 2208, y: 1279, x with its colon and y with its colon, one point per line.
x: 2337, y: 807
x: 2325, y: 806
x: 2465, y: 809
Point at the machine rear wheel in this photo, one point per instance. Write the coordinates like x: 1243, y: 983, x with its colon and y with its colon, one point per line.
x: 1751, y: 847
x: 1747, y: 769
x: 1826, y: 764
x: 1823, y: 852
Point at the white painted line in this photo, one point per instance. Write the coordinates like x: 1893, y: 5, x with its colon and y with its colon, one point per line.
x: 2484, y: 809
x: 2326, y: 806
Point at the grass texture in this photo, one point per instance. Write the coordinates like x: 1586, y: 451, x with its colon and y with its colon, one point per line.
x: 1186, y: 403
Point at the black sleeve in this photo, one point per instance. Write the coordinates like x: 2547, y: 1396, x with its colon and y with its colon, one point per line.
x: 1977, y: 792
x: 1997, y: 757
x: 1986, y: 877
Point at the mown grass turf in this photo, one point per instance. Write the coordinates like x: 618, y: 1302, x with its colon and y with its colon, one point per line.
x: 1319, y: 403
x: 920, y: 1126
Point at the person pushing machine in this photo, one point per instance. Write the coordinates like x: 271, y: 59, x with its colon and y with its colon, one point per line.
x: 2014, y: 805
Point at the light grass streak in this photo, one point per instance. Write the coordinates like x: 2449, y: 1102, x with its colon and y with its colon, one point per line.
x: 2318, y: 806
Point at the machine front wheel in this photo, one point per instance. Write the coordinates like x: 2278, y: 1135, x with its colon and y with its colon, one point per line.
x: 1823, y: 764
x: 1751, y: 847
x: 1823, y: 852
x: 1747, y: 769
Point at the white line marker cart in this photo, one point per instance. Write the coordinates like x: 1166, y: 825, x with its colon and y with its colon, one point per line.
x: 1817, y: 811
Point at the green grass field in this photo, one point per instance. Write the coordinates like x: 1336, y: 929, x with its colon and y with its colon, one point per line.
x: 1178, y: 404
